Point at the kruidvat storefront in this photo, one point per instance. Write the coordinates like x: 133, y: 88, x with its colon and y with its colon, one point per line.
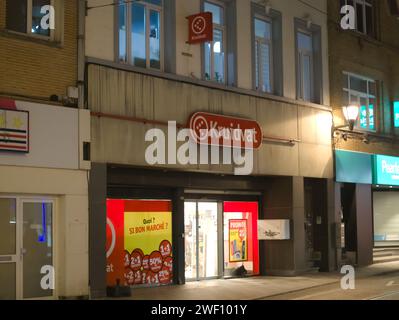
x: 369, y: 185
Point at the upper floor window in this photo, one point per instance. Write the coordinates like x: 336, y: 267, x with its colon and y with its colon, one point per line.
x: 361, y: 91
x: 140, y: 33
x: 363, y: 15
x: 263, y: 55
x: 308, y: 62
x: 214, y: 52
x: 31, y: 17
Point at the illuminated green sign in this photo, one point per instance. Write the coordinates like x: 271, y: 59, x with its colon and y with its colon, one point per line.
x: 386, y: 170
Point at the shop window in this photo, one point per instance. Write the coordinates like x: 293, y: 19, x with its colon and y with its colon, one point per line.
x: 139, y: 242
x: 140, y: 33
x: 32, y: 17
x: 386, y: 218
x: 308, y: 62
x: 362, y: 92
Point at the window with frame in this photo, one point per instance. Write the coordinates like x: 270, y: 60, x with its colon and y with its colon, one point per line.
x: 305, y: 65
x: 363, y: 15
x: 214, y: 52
x: 30, y: 17
x: 263, y: 53
x: 361, y: 91
x: 140, y: 33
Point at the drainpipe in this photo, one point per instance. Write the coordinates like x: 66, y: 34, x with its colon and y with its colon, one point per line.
x: 81, y: 52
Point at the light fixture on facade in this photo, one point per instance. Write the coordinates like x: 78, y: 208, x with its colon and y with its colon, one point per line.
x: 351, y: 113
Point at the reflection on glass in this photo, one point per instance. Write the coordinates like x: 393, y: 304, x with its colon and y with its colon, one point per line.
x: 37, y: 17
x: 262, y: 29
x: 207, y: 239
x: 190, y: 240
x: 307, y: 80
x: 155, y: 44
x: 207, y: 60
x: 7, y: 281
x: 138, y: 35
x: 217, y: 12
x: 7, y: 226
x: 37, y: 247
x: 218, y: 55
x: 122, y: 31
x: 304, y: 42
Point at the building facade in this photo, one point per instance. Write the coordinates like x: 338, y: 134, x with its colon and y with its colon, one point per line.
x: 156, y: 219
x: 43, y: 168
x: 364, y: 71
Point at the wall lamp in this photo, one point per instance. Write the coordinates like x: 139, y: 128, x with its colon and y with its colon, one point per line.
x: 351, y: 113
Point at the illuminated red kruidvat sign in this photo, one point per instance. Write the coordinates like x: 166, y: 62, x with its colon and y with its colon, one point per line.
x: 215, y: 129
x: 200, y: 28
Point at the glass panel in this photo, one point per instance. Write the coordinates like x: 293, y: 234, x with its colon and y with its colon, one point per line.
x: 207, y: 60
x: 358, y: 84
x: 217, y: 12
x: 304, y: 42
x: 37, y: 246
x: 306, y: 74
x: 262, y: 29
x: 363, y: 113
x: 371, y: 114
x: 138, y: 35
x: 369, y: 20
x: 37, y: 17
x: 218, y: 55
x: 155, y: 39
x: 265, y: 67
x: 396, y: 113
x: 372, y: 88
x: 16, y: 15
x: 190, y: 239
x: 7, y: 281
x: 207, y: 239
x: 256, y: 65
x: 7, y: 226
x: 359, y: 17
x: 154, y: 2
x: 122, y: 31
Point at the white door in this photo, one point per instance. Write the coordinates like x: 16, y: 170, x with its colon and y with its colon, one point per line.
x: 26, y: 248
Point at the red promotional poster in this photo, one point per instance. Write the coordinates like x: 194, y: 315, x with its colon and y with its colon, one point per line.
x: 200, y: 28
x: 139, y: 242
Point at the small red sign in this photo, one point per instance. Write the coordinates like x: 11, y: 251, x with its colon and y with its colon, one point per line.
x: 200, y: 28
x: 219, y: 130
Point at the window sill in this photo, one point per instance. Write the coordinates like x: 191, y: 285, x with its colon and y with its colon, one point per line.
x: 29, y: 38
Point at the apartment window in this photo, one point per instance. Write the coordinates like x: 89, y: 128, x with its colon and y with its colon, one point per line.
x: 140, y: 33
x: 263, y: 55
x: 308, y: 62
x: 362, y: 92
x: 363, y: 14
x: 26, y: 16
x: 214, y: 52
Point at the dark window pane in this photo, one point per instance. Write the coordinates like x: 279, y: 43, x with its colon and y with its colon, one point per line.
x: 37, y: 17
x: 372, y: 88
x: 16, y: 15
x: 358, y: 84
x: 359, y: 18
x: 369, y: 20
x: 155, y: 41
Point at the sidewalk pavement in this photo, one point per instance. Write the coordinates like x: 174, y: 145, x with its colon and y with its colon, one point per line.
x: 253, y: 288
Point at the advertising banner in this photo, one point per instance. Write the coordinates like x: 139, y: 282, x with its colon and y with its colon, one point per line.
x: 238, y: 243
x: 143, y: 250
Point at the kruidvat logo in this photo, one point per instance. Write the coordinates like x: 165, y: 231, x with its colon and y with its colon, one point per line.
x: 348, y: 21
x: 48, y: 19
x: 235, y: 144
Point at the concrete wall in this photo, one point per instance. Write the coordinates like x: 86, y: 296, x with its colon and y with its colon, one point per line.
x: 131, y: 94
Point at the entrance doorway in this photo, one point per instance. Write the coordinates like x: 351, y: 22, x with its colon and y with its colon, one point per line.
x: 26, y: 246
x: 201, y: 220
x: 220, y: 239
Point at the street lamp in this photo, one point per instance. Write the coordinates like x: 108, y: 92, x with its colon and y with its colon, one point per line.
x: 351, y: 113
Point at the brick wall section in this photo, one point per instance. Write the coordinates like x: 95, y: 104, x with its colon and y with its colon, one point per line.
x: 374, y: 58
x: 32, y: 68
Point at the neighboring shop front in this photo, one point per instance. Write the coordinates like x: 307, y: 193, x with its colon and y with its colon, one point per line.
x: 368, y: 187
x: 43, y: 201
